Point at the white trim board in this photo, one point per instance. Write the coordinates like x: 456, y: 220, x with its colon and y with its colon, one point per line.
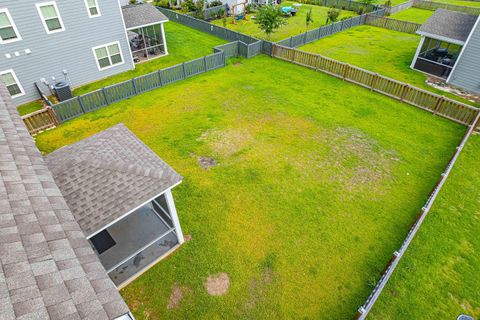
x: 43, y: 4
x: 16, y: 81
x: 99, y: 14
x: 131, y: 211
x: 12, y: 24
x: 441, y: 38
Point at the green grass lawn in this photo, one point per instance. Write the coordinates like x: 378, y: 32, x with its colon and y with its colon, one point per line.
x: 295, y: 25
x: 387, y: 52
x: 439, y: 275
x: 413, y: 15
x: 30, y: 107
x: 183, y: 43
x: 317, y: 183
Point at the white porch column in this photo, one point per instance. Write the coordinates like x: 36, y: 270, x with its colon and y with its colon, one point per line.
x: 418, y: 52
x: 174, y: 216
x: 164, y: 39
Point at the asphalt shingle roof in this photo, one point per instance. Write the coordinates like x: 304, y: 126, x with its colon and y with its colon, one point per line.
x: 449, y: 24
x: 47, y: 268
x: 105, y: 176
x: 136, y: 15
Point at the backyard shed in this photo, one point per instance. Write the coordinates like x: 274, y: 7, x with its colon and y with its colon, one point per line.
x: 145, y: 32
x: 443, y: 37
x: 120, y: 194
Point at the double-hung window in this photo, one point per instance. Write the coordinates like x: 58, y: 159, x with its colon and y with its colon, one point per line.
x: 50, y: 17
x: 93, y: 9
x: 8, y: 30
x: 10, y: 80
x: 108, y: 55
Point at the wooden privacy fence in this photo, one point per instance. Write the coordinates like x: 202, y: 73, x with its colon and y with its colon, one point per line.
x: 344, y: 5
x: 91, y: 101
x: 329, y: 29
x: 392, y: 24
x: 40, y: 120
x: 431, y: 5
x: 72, y: 108
x: 431, y: 102
x: 207, y: 27
x: 399, y: 7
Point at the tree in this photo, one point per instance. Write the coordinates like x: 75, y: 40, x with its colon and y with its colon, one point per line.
x: 388, y: 6
x: 332, y: 15
x: 269, y: 18
x: 308, y: 18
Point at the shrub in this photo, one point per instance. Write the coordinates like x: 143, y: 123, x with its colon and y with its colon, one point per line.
x: 220, y: 13
x: 332, y: 15
x: 269, y: 18
x: 214, y: 3
x: 249, y: 8
x: 188, y: 6
x: 162, y: 3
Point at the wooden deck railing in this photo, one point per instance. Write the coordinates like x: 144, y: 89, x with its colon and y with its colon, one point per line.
x: 439, y: 105
x: 40, y: 120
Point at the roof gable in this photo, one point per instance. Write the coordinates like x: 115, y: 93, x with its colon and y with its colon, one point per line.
x: 449, y: 25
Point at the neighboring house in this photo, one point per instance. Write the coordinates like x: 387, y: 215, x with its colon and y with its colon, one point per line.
x: 120, y: 194
x: 77, y: 41
x: 48, y: 269
x: 449, y: 48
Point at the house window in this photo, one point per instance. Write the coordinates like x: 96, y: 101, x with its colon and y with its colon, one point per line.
x: 92, y: 7
x: 108, y: 55
x: 50, y: 17
x: 8, y: 30
x: 10, y: 80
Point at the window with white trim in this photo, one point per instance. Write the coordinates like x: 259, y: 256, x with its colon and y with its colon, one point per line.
x: 10, y: 80
x: 8, y: 30
x: 93, y: 9
x: 108, y: 55
x: 50, y: 17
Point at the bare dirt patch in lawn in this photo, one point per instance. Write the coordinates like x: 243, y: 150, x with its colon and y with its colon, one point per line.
x: 218, y: 284
x: 177, y: 295
x: 226, y: 142
x: 207, y: 162
x: 258, y: 288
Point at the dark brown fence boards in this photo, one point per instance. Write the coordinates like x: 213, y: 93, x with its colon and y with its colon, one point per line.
x: 392, y: 24
x: 439, y: 105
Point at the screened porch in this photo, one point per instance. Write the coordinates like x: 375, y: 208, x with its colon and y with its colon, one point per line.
x: 131, y: 245
x: 147, y: 43
x: 437, y: 57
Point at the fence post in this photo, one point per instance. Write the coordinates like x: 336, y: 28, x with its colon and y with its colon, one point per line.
x: 105, y: 96
x: 290, y: 43
x: 160, y: 77
x: 224, y: 60
x: 53, y: 115
x: 293, y: 55
x: 134, y: 84
x: 317, y: 62
x: 374, y: 81
x: 305, y: 38
x: 406, y: 87
x: 81, y: 104
x: 346, y: 69
x: 319, y: 33
x: 184, y: 72
x: 205, y: 62
x: 439, y: 104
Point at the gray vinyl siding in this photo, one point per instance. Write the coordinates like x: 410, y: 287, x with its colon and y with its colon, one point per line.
x: 69, y: 50
x: 467, y: 71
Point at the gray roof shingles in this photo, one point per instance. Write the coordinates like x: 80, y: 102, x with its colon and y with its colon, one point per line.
x: 47, y: 268
x: 105, y: 176
x: 449, y: 24
x: 136, y: 15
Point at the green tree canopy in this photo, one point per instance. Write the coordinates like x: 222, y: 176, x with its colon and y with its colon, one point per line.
x: 269, y: 18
